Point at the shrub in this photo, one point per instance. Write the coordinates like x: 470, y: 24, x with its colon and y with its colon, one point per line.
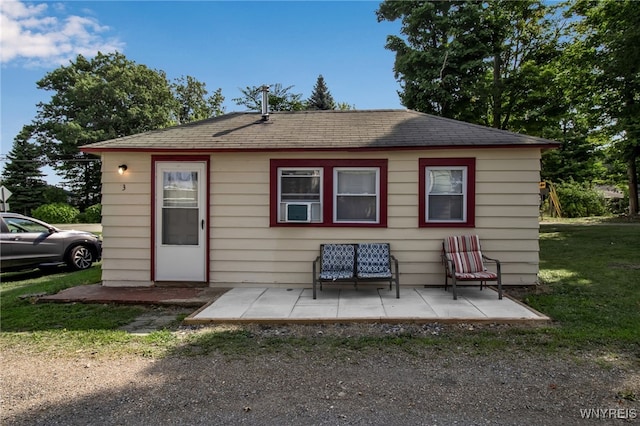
x: 93, y: 214
x: 56, y: 213
x: 579, y: 200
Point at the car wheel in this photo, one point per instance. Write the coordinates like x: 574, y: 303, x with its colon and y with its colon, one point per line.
x: 80, y: 257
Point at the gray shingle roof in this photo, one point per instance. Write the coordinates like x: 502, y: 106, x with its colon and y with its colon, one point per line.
x: 320, y: 130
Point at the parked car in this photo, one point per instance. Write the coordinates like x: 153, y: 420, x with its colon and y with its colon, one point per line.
x: 27, y: 243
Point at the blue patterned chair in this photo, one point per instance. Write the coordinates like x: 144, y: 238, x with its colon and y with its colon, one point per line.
x: 337, y: 264
x: 373, y: 263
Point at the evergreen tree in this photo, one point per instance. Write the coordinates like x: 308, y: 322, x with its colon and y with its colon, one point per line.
x: 22, y: 175
x: 321, y: 98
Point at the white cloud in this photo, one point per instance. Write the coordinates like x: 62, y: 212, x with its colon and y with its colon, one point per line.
x: 33, y: 36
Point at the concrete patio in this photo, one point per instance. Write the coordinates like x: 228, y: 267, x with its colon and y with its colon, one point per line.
x: 416, y: 304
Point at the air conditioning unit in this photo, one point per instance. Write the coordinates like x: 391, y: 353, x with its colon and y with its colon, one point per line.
x: 298, y: 212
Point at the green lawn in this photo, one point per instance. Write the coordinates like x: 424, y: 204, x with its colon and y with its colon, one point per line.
x: 591, y: 283
x: 590, y: 287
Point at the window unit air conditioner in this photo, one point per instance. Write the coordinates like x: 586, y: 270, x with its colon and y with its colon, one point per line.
x: 298, y: 212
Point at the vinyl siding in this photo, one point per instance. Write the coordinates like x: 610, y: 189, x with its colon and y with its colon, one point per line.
x: 246, y: 251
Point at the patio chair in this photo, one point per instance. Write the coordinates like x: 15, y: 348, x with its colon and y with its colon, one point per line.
x: 336, y: 262
x: 463, y: 261
x: 374, y: 264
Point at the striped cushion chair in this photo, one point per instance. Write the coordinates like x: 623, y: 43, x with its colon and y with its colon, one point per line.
x: 464, y: 261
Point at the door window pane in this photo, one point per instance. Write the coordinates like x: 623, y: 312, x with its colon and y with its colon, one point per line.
x: 180, y: 213
x: 180, y: 189
x: 180, y: 226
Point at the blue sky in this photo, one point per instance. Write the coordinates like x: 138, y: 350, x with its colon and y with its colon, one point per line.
x: 225, y: 44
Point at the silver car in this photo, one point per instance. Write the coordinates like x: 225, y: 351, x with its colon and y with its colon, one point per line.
x: 27, y: 243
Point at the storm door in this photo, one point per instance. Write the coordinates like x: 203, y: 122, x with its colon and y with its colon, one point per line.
x: 180, y: 221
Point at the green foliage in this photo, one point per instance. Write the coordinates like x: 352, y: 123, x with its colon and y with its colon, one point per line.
x: 56, y: 213
x: 440, y: 62
x: 580, y: 200
x: 481, y: 62
x: 93, y: 100
x: 93, y: 214
x: 192, y: 101
x: 280, y: 99
x: 607, y: 36
x: 321, y: 98
x: 53, y: 194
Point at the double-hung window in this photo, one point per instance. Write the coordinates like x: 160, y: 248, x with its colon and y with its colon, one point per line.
x: 328, y: 192
x: 447, y: 192
x: 356, y: 195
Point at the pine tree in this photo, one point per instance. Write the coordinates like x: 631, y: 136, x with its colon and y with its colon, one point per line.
x: 321, y: 98
x: 22, y: 175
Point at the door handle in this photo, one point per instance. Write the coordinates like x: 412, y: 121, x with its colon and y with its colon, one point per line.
x: 202, y: 224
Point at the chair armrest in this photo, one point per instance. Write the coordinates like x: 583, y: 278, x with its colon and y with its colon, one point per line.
x: 497, y: 262
x: 491, y: 259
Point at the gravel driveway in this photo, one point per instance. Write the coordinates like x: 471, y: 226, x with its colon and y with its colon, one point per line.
x: 320, y: 386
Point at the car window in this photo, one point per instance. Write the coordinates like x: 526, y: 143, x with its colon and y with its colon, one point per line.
x: 17, y: 225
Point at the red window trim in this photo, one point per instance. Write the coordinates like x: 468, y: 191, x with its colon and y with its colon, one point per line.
x: 327, y: 197
x: 470, y: 163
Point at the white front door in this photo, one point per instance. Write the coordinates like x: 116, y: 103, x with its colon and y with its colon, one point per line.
x: 180, y: 221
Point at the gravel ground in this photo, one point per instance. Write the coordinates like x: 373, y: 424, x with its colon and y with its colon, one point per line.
x: 327, y: 386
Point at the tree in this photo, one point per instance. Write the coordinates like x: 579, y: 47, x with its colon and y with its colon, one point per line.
x: 22, y: 175
x: 523, y: 50
x: 608, y: 46
x: 344, y: 106
x: 441, y: 64
x: 192, y: 101
x: 321, y: 98
x: 93, y: 100
x: 481, y: 62
x: 280, y: 99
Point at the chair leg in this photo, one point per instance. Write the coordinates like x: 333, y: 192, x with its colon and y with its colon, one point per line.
x: 453, y: 282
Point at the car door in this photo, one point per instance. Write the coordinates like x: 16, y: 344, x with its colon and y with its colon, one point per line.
x: 26, y: 242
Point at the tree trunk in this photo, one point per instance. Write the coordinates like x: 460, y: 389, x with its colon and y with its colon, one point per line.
x: 632, y: 173
x: 497, y: 91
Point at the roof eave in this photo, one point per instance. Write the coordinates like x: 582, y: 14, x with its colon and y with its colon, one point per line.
x: 100, y: 150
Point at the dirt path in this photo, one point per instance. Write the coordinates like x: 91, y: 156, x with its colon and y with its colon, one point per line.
x: 327, y: 386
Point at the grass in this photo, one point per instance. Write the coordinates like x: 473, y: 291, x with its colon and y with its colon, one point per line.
x: 590, y: 287
x: 591, y: 283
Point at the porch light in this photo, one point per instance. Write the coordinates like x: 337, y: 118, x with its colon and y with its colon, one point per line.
x: 122, y: 168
